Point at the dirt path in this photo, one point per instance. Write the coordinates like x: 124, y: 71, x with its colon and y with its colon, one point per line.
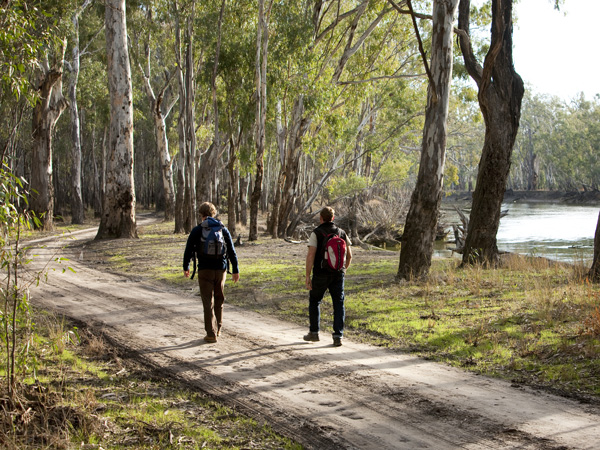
x: 351, y: 397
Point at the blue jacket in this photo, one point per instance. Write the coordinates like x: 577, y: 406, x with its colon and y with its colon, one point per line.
x: 210, y: 263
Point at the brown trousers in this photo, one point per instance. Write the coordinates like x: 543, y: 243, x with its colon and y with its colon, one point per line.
x: 211, y: 284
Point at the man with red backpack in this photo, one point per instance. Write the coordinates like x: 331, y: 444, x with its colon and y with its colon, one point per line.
x: 328, y: 257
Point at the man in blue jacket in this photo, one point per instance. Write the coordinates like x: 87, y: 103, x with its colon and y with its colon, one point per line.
x: 211, y: 243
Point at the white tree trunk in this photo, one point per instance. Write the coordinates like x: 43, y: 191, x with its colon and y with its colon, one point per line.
x: 46, y: 113
x: 77, y: 212
x: 262, y: 46
x: 180, y: 214
x: 162, y: 141
x: 118, y: 215
x: 421, y: 222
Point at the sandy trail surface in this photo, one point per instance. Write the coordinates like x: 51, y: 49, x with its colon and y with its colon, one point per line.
x: 351, y: 397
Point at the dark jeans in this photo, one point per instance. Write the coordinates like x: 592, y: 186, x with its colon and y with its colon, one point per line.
x: 320, y: 284
x: 211, y: 284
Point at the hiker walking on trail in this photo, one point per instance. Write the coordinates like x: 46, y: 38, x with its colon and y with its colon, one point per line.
x: 328, y: 257
x: 211, y: 243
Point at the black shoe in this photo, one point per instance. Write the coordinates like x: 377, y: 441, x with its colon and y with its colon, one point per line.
x: 337, y: 341
x: 312, y: 336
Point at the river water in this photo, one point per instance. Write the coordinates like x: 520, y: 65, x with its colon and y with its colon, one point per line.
x: 561, y: 232
x: 557, y: 231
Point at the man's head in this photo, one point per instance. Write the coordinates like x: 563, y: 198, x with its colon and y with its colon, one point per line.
x: 207, y: 209
x: 327, y: 214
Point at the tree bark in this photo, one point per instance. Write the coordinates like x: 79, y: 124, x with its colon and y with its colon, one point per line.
x: 500, y: 94
x: 185, y: 202
x: 594, y: 273
x: 191, y: 156
x: 118, y: 217
x: 160, y: 133
x: 421, y: 222
x: 46, y: 113
x: 97, y: 196
x: 262, y: 45
x: 180, y: 206
x: 289, y: 169
x: 244, y: 183
x: 233, y: 187
x: 77, y: 210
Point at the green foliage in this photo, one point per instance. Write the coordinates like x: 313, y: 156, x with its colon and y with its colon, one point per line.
x: 19, y: 44
x: 15, y: 323
x: 395, y: 172
x: 450, y: 176
x: 350, y: 184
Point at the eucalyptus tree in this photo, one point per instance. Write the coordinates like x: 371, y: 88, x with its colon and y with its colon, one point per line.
x: 576, y: 144
x: 154, y: 52
x: 77, y: 208
x: 94, y: 106
x: 118, y: 216
x: 231, y: 77
x: 262, y: 50
x: 344, y: 54
x: 421, y: 222
x: 500, y: 94
x: 185, y: 200
x: 533, y: 163
x: 46, y: 112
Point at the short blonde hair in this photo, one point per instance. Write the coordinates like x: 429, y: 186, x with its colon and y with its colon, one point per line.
x: 327, y: 214
x: 207, y: 209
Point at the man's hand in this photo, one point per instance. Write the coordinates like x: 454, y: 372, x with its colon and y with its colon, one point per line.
x: 186, y: 273
x: 308, y: 283
x: 235, y: 277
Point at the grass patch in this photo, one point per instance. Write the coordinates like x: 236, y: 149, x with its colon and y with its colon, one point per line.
x: 85, y: 397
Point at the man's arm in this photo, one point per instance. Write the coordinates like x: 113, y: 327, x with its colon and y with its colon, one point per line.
x: 348, y: 256
x: 310, y: 261
x: 188, y: 254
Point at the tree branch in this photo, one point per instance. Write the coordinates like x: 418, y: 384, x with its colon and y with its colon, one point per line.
x: 383, y: 77
x: 419, y: 40
x: 464, y: 19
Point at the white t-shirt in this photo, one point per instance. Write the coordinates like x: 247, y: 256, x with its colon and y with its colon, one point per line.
x: 312, y: 240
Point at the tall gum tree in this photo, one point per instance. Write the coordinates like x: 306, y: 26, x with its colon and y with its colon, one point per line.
x: 500, y: 94
x: 118, y: 215
x: 262, y: 48
x: 161, y: 105
x: 46, y: 112
x: 77, y: 209
x: 185, y: 199
x: 421, y: 222
x: 350, y: 30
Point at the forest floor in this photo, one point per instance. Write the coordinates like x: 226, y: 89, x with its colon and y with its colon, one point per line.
x: 357, y: 396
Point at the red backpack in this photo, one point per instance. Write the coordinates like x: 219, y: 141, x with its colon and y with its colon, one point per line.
x: 334, y: 252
